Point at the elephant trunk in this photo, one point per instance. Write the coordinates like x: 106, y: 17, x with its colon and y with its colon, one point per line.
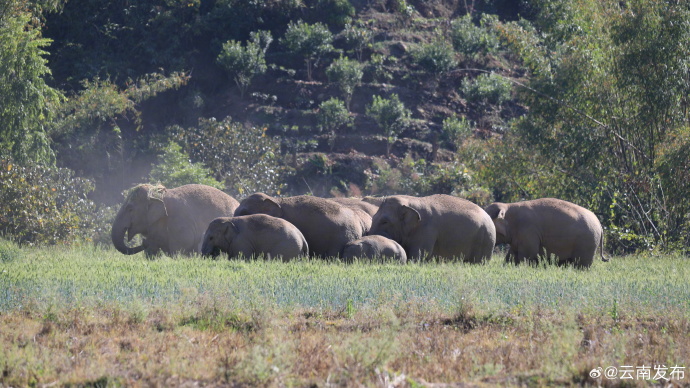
x: 209, y: 249
x: 118, y: 236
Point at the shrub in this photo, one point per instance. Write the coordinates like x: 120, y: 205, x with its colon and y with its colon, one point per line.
x: 436, y: 57
x: 174, y: 169
x: 245, y: 62
x: 333, y: 115
x: 486, y: 89
x: 391, y: 115
x: 336, y: 13
x: 245, y: 159
x: 470, y: 39
x: 347, y: 74
x: 455, y: 130
x: 45, y: 205
x: 357, y: 38
x: 310, y: 41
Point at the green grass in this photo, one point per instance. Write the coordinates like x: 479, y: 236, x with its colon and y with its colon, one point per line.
x: 71, y: 277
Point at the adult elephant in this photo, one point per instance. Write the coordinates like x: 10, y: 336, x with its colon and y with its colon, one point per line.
x: 364, y: 210
x: 374, y: 247
x: 436, y: 225
x: 547, y: 226
x: 326, y: 225
x: 254, y: 235
x: 170, y: 220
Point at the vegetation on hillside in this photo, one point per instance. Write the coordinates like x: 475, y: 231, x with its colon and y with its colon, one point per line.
x: 495, y: 100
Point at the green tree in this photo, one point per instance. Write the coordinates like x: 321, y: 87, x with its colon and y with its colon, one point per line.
x: 609, y: 83
x: 436, y: 58
x: 244, y: 63
x: 310, y: 41
x: 391, y: 116
x: 27, y: 103
x: 333, y: 115
x: 347, y: 74
x: 174, y: 169
x: 357, y: 37
x: 245, y: 159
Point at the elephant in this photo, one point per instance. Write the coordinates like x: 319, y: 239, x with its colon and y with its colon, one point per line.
x: 437, y: 225
x: 374, y: 246
x: 170, y: 220
x: 362, y: 209
x: 547, y: 225
x: 254, y: 235
x: 326, y: 225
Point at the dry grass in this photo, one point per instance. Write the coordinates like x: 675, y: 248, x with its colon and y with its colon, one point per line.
x: 382, y: 347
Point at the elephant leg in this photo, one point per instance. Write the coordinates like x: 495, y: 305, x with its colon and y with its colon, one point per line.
x: 511, y: 256
x: 527, y: 250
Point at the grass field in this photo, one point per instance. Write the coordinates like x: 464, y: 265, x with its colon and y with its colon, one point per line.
x: 92, y: 317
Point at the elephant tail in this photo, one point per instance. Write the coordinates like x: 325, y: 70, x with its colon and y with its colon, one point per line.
x: 305, y: 247
x: 601, y: 247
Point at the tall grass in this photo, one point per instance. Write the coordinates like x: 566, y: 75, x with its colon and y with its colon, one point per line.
x: 88, y: 276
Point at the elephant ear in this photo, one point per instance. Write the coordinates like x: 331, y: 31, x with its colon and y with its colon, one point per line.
x: 411, y: 218
x: 501, y: 223
x: 271, y: 207
x: 156, y: 210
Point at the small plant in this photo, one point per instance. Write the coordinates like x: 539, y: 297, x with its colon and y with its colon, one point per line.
x: 358, y: 38
x: 174, y: 169
x: 455, y: 130
x: 470, y: 39
x: 487, y: 89
x: 310, y: 41
x: 333, y: 115
x: 347, y: 74
x: 437, y: 58
x: 336, y: 13
x: 391, y: 116
x: 244, y: 63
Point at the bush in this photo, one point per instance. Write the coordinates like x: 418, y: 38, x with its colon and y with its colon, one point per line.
x: 486, y: 89
x: 391, y: 115
x: 245, y: 159
x: 346, y: 74
x: 245, y: 62
x: 357, y: 38
x: 333, y: 115
x: 310, y: 41
x: 45, y: 205
x: 470, y: 39
x: 455, y: 130
x: 436, y: 57
x: 336, y: 13
x: 174, y: 169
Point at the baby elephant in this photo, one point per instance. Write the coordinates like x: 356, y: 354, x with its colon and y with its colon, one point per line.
x: 254, y: 235
x: 374, y: 246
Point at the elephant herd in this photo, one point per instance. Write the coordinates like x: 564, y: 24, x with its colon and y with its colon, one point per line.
x: 201, y: 219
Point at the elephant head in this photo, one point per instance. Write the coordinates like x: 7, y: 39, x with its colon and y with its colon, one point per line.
x: 259, y: 203
x: 219, y: 237
x: 395, y: 219
x: 143, y: 207
x: 497, y: 212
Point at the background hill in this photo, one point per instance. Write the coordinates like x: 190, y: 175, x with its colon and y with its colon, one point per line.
x: 487, y: 99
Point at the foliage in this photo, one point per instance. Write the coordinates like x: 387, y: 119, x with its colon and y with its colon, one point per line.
x: 333, y: 115
x: 472, y: 40
x: 27, y: 102
x: 390, y: 115
x: 455, y: 130
x: 244, y: 63
x: 336, y: 13
x: 436, y: 57
x: 44, y: 205
x: 599, y: 114
x: 174, y: 169
x: 309, y: 41
x: 347, y: 74
x: 245, y: 159
x: 486, y: 90
x: 357, y: 37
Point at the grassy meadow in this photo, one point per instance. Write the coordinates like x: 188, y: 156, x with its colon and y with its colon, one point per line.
x: 86, y: 316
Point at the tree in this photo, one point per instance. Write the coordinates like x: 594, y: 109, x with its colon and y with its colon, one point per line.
x: 391, y: 116
x: 333, y: 115
x: 310, y: 41
x: 27, y: 103
x: 174, y: 169
x: 244, y: 63
x: 608, y: 91
x: 347, y: 74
